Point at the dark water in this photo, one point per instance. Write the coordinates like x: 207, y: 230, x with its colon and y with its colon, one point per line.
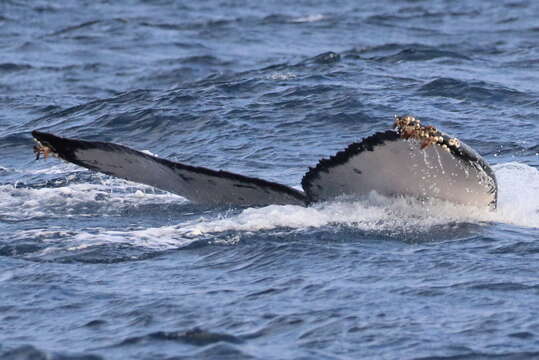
x: 98, y: 268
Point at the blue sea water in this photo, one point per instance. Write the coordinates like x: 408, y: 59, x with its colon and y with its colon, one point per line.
x: 93, y: 267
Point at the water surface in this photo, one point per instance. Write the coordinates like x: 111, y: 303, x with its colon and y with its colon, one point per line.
x: 98, y: 268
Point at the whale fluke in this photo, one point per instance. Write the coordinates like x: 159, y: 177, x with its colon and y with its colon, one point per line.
x: 394, y: 166
x: 411, y: 160
x: 197, y: 184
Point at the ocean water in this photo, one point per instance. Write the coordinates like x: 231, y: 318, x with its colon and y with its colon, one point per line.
x: 93, y: 267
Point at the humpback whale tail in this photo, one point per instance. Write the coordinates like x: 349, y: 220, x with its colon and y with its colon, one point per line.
x: 411, y: 160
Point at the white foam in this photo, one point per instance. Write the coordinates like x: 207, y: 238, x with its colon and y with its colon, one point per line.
x: 309, y: 18
x: 57, y: 168
x: 282, y: 76
x: 23, y: 203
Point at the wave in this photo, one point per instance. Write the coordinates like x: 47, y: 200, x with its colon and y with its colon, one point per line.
x: 29, y: 352
x: 194, y: 336
x: 12, y: 67
x: 76, y: 27
x: 473, y: 90
x: 393, y: 52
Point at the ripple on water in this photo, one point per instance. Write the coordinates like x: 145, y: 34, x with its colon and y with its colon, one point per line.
x: 26, y: 352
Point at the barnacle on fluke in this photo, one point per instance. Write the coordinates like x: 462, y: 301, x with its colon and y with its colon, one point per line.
x: 45, y: 150
x: 408, y: 127
x: 411, y: 160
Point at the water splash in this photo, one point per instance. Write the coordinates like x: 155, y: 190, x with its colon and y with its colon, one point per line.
x: 518, y: 195
x: 518, y: 205
x: 19, y: 203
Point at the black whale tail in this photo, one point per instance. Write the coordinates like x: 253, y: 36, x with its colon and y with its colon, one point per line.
x: 412, y: 160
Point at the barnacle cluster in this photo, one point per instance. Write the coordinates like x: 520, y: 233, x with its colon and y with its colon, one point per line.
x: 42, y: 149
x: 409, y: 127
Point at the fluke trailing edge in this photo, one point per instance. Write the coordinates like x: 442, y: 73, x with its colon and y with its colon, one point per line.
x: 411, y: 160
